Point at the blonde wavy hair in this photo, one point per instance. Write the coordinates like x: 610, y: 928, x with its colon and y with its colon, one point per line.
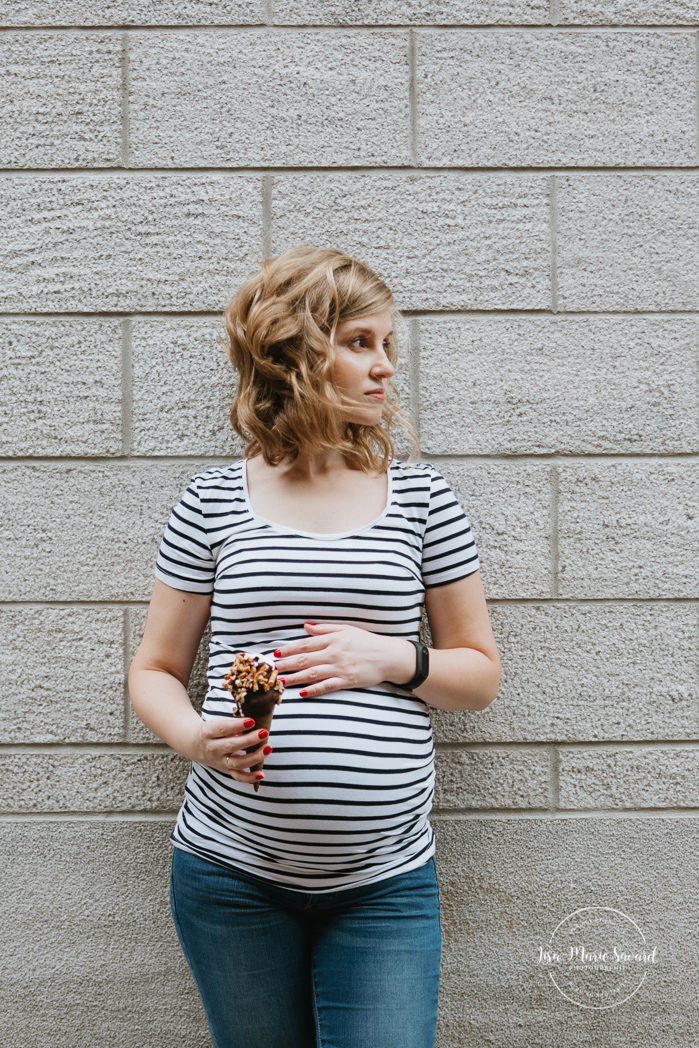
x: 280, y: 330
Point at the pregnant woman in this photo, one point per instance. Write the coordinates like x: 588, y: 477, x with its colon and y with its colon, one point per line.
x: 308, y: 911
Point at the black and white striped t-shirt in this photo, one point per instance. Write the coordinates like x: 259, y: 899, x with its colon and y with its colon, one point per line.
x: 350, y: 782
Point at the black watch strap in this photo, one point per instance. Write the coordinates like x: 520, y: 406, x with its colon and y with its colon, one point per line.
x: 422, y: 668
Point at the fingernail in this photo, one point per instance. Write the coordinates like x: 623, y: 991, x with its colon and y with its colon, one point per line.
x: 303, y: 694
x: 266, y: 750
x: 262, y: 734
x: 277, y: 654
x: 283, y: 681
x: 259, y: 775
x: 309, y: 623
x: 249, y: 723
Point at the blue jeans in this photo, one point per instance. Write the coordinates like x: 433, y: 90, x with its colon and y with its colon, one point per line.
x: 276, y: 968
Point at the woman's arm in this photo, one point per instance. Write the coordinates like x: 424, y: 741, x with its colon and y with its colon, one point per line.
x: 158, y: 681
x: 464, y: 662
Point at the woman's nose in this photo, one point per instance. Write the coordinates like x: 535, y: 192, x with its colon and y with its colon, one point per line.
x: 383, y: 365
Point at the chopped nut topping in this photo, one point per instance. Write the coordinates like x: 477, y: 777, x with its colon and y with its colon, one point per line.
x: 250, y: 673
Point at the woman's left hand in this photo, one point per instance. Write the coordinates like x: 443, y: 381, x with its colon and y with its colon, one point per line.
x: 336, y: 657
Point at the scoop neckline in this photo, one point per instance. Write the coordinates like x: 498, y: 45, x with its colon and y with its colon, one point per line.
x: 316, y: 534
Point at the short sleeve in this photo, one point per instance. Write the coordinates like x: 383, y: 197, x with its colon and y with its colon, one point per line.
x: 449, y: 551
x: 184, y: 559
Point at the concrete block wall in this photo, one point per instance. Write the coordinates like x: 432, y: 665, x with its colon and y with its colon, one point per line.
x: 525, y: 176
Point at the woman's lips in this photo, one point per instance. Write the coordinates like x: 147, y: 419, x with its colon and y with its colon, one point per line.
x: 377, y: 394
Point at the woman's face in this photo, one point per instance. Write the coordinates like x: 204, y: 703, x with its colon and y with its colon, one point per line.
x: 362, y: 368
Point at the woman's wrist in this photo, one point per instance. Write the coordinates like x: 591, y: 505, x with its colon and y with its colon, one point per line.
x: 192, y: 742
x: 402, y: 662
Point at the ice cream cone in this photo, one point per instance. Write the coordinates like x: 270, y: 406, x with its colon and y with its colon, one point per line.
x: 257, y: 690
x: 260, y: 705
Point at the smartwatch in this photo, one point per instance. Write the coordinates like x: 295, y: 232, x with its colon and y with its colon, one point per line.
x: 422, y: 668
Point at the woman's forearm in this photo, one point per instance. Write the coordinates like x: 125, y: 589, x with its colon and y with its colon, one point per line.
x: 337, y: 656
x: 162, y: 703
x: 459, y: 678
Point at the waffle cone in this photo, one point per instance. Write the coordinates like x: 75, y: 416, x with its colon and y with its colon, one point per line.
x: 260, y: 705
x: 256, y: 689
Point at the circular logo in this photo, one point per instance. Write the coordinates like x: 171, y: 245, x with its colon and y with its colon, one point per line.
x: 597, y: 957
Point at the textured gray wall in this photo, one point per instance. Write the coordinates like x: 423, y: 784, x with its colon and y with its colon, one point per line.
x: 525, y: 177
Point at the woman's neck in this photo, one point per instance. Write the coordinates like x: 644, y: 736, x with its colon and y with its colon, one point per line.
x: 318, y: 464
x: 320, y: 494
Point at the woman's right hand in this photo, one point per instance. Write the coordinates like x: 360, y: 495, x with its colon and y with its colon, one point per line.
x: 222, y: 742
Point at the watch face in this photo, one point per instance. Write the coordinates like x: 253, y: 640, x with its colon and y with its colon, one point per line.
x: 424, y: 659
x: 422, y: 667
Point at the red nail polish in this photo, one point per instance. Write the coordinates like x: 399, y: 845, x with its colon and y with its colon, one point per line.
x: 303, y: 693
x: 249, y: 723
x: 266, y: 750
x: 262, y: 734
x: 309, y: 623
x: 283, y: 681
x: 277, y: 654
x: 259, y: 775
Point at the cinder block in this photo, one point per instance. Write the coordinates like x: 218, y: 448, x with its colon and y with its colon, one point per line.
x: 628, y: 241
x: 505, y: 886
x: 661, y: 777
x: 183, y: 388
x: 265, y: 97
x: 508, y: 507
x: 627, y: 12
x: 61, y: 675
x: 555, y: 98
x: 91, y: 957
x: 92, y: 782
x: 505, y: 385
x: 587, y: 672
x: 628, y: 530
x: 61, y: 390
x: 136, y: 730
x: 142, y: 242
x: 410, y: 12
x: 133, y: 12
x: 85, y: 532
x: 492, y: 779
x: 60, y: 99
x: 442, y: 241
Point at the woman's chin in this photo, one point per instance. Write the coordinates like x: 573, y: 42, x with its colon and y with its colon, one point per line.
x: 364, y: 416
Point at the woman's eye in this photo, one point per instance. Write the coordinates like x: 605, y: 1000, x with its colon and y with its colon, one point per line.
x: 361, y: 339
